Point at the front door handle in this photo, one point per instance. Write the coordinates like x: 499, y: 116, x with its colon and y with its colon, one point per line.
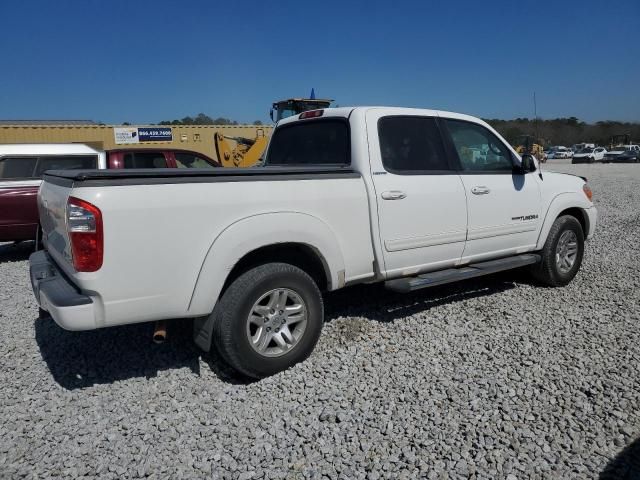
x: 393, y: 195
x: 480, y: 190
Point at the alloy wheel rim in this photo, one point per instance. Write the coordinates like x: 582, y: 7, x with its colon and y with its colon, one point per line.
x: 566, y: 251
x: 276, y: 322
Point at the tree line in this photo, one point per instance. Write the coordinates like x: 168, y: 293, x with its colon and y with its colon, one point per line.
x: 202, y: 119
x: 564, y: 131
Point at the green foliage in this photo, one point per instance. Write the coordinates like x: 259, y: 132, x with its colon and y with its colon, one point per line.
x: 200, y: 119
x: 564, y: 131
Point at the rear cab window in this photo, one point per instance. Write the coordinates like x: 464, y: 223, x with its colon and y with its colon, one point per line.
x: 63, y: 162
x: 33, y: 167
x: 13, y: 168
x: 311, y: 142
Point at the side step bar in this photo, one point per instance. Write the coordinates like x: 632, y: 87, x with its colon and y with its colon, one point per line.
x: 431, y: 279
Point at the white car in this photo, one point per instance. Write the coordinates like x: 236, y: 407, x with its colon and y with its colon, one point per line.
x: 589, y: 155
x: 411, y: 198
x: 562, y: 152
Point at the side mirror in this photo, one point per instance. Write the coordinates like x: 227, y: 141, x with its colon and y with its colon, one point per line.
x: 271, y: 114
x: 527, y: 165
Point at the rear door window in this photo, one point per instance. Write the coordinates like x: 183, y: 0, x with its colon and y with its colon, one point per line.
x: 17, y: 167
x: 315, y: 142
x: 411, y: 145
x: 145, y: 160
x: 66, y: 162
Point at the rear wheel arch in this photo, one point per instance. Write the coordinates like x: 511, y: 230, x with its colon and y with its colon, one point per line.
x: 301, y: 256
x: 306, y: 257
x: 296, y: 238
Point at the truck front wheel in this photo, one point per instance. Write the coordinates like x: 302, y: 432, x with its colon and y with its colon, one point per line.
x: 268, y: 319
x: 562, y: 253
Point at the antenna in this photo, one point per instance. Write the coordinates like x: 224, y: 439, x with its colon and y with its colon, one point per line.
x: 537, y: 139
x: 535, y: 115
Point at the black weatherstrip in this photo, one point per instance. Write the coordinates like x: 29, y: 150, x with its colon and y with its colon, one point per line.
x: 160, y: 176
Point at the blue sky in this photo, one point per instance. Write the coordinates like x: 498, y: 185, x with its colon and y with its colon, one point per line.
x: 147, y: 61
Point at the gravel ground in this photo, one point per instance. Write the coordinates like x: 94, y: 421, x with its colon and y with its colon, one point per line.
x: 493, y: 378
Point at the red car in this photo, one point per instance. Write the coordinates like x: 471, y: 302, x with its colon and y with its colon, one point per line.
x: 22, y: 166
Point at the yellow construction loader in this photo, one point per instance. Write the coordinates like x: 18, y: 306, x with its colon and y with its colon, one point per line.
x: 531, y: 145
x: 248, y: 151
x: 294, y: 106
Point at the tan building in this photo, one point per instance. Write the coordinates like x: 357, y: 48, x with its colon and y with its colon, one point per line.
x: 198, y: 138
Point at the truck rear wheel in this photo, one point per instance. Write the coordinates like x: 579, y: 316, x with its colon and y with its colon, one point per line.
x: 268, y: 319
x: 562, y: 253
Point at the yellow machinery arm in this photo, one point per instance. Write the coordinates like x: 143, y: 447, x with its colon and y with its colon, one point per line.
x: 246, y: 152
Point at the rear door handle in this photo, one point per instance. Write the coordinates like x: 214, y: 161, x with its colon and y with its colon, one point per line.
x: 480, y: 190
x: 393, y: 195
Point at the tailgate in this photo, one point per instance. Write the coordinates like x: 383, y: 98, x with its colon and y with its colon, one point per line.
x: 52, y: 206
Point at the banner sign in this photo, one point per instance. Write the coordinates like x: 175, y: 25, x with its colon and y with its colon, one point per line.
x: 155, y: 134
x: 125, y: 135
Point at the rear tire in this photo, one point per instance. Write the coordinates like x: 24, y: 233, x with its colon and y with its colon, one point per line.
x: 562, y: 253
x: 268, y: 319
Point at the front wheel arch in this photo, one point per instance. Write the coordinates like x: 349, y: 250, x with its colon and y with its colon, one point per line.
x: 551, y: 270
x: 568, y: 203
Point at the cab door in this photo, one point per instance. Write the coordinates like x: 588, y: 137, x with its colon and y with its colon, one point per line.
x: 422, y: 211
x: 503, y: 206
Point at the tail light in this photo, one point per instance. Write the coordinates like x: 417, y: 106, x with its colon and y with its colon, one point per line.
x: 311, y: 114
x: 84, y: 224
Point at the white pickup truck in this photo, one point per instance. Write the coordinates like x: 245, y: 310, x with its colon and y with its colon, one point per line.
x: 409, y: 197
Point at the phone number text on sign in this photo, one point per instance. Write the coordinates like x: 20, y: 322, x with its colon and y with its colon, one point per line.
x: 155, y: 134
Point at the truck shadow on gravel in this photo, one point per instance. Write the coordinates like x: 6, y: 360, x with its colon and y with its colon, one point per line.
x: 79, y: 360
x: 625, y: 465
x: 84, y: 359
x: 374, y: 302
x: 16, y: 252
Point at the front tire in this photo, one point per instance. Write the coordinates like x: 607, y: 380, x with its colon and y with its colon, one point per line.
x: 268, y: 319
x: 562, y: 253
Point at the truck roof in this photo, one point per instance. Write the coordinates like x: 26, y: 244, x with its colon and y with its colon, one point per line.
x: 345, y: 112
x: 46, y: 149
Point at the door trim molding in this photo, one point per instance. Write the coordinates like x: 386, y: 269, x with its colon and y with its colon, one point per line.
x: 425, y: 241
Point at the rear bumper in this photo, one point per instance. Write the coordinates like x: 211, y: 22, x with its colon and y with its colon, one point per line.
x: 70, y: 308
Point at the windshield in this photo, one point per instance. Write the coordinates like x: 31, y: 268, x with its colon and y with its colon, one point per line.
x: 586, y: 150
x: 294, y: 107
x: 285, y: 113
x: 315, y: 142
